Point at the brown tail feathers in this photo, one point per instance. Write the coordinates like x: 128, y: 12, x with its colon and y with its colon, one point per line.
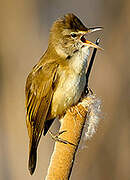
x: 32, y: 157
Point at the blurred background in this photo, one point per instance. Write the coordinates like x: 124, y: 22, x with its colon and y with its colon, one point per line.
x: 24, y: 31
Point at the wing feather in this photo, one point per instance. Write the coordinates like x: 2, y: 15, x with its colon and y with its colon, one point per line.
x: 39, y: 92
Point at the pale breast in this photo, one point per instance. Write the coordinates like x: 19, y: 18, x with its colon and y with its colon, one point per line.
x: 67, y: 93
x: 71, y: 83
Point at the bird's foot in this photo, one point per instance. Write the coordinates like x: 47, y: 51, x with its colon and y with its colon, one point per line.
x: 90, y: 91
x: 87, y: 91
x: 57, y: 138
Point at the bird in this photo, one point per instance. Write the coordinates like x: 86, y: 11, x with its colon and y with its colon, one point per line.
x: 58, y: 80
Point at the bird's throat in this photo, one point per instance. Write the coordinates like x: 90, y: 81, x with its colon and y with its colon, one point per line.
x: 79, y: 60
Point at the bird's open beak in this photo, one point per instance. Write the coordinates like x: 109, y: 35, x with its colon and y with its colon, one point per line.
x: 89, y: 43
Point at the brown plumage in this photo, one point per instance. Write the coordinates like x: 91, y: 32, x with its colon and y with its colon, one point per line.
x: 39, y: 92
x: 57, y: 80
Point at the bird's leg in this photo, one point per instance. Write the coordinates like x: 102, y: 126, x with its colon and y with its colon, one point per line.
x: 89, y: 91
x: 56, y: 138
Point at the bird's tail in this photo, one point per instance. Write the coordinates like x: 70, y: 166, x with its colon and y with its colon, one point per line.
x: 32, y: 157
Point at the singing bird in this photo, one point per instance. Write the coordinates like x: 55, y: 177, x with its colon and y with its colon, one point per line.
x: 58, y: 80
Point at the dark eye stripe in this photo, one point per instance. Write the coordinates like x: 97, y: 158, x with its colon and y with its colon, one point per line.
x: 73, y: 35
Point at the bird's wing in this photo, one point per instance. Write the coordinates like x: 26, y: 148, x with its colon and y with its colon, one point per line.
x: 39, y: 91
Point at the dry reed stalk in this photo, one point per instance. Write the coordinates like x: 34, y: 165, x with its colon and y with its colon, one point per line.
x: 63, y: 156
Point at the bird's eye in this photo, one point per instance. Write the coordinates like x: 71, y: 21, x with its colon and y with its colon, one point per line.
x: 73, y: 35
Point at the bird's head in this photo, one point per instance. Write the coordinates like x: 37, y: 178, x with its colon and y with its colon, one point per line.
x: 68, y: 35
